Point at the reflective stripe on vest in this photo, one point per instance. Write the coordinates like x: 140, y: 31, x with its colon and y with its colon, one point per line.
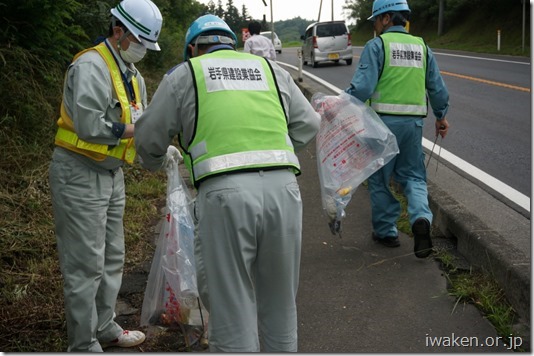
x: 66, y: 136
x: 231, y: 134
x: 401, y: 88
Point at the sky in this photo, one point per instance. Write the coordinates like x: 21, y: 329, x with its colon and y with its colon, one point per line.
x: 288, y: 9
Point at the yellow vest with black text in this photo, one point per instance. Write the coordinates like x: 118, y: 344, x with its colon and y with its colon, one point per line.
x: 241, y: 123
x: 66, y: 136
x: 401, y: 88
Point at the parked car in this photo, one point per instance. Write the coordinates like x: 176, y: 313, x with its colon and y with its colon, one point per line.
x: 277, y: 42
x: 326, y: 41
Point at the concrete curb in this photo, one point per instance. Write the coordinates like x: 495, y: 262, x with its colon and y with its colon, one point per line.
x: 483, y: 247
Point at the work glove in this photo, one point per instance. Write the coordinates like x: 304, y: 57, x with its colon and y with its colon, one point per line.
x: 173, y: 156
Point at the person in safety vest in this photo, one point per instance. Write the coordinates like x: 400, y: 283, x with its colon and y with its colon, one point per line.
x: 104, y: 94
x: 396, y: 74
x: 258, y: 44
x: 239, y: 119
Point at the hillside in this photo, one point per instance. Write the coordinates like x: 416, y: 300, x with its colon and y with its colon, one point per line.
x: 475, y: 31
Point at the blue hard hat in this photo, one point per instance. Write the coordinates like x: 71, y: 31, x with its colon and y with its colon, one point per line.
x: 204, y: 24
x: 383, y: 6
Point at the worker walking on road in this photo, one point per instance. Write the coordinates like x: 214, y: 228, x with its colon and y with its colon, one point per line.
x: 396, y: 73
x: 258, y: 44
x: 240, y: 119
x: 103, y: 96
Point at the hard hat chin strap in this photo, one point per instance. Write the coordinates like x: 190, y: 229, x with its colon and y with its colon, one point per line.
x: 114, y: 24
x: 126, y: 33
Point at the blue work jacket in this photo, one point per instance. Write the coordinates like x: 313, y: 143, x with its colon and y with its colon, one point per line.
x: 367, y: 75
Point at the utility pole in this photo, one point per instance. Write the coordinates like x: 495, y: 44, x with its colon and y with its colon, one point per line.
x: 272, y: 24
x: 264, y: 23
x: 332, y: 10
x: 440, y: 17
x: 320, y: 7
x: 523, y: 33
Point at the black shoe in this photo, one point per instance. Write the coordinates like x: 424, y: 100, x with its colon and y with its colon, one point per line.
x: 388, y: 241
x: 421, y: 235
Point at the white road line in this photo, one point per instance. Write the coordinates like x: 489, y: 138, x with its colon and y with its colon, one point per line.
x: 313, y: 77
x: 493, y: 183
x: 515, y: 196
x: 484, y: 59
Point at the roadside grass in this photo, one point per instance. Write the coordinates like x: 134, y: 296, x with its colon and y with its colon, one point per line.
x: 31, y: 306
x: 31, y: 287
x: 145, y: 196
x: 470, y: 36
x: 467, y: 36
x: 468, y: 287
x: 292, y: 44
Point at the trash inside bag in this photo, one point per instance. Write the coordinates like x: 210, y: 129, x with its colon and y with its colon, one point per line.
x: 179, y: 260
x: 171, y: 295
x: 352, y: 144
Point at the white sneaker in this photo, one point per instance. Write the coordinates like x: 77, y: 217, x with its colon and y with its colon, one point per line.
x: 128, y: 338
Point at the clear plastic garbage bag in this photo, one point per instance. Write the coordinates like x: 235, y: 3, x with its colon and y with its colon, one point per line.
x: 171, y: 295
x: 352, y: 144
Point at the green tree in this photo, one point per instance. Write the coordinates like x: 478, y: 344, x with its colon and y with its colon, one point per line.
x: 46, y: 27
x: 211, y: 7
x: 291, y: 30
x: 231, y: 16
x: 37, y: 39
x: 220, y: 10
x: 177, y: 17
x: 245, y: 17
x: 359, y: 10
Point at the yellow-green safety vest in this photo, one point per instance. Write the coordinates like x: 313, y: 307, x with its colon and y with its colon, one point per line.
x: 240, y: 122
x: 401, y: 88
x: 66, y: 136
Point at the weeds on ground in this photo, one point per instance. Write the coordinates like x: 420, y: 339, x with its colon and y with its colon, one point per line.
x: 480, y: 289
x: 31, y: 305
x: 468, y: 287
x: 30, y: 282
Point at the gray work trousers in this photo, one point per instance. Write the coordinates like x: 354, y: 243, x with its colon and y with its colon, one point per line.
x: 249, y: 229
x: 88, y: 209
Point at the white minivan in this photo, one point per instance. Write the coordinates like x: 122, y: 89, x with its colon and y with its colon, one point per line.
x: 326, y: 41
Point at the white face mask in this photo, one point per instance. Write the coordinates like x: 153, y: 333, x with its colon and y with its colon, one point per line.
x: 134, y: 53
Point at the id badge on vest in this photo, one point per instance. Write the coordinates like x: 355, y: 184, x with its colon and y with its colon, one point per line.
x: 136, y: 111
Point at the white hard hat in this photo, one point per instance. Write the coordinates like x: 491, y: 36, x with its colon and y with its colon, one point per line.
x: 142, y: 18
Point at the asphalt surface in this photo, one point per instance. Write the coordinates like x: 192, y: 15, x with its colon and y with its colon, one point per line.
x: 358, y: 296
x: 361, y: 297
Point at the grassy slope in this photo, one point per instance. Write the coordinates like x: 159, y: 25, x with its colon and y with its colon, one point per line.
x: 478, y: 33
